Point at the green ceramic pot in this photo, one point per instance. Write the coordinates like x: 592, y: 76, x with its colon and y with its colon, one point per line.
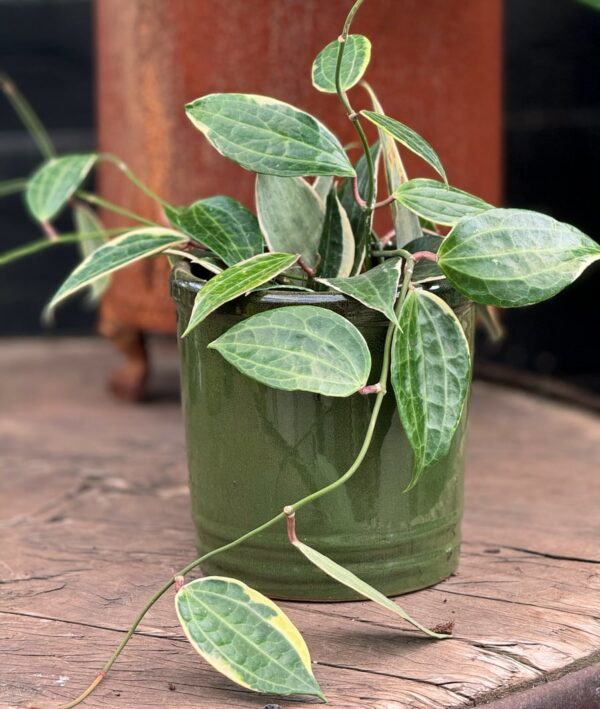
x: 252, y: 450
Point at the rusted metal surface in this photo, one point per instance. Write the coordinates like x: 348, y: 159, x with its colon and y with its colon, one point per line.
x: 436, y: 65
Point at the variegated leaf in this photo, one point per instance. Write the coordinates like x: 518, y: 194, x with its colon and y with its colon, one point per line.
x: 268, y: 136
x: 245, y: 637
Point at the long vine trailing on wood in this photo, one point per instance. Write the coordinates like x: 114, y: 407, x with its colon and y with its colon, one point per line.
x: 312, y: 236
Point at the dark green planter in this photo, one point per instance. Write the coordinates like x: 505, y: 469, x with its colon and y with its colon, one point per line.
x: 252, y: 450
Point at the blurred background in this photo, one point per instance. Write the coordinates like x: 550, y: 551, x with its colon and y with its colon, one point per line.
x: 550, y: 119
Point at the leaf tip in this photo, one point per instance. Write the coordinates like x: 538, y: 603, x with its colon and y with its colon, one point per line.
x: 416, y: 476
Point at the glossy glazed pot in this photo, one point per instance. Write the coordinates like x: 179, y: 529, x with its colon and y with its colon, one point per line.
x: 252, y: 449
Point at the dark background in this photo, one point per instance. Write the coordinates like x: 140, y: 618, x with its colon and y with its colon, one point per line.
x: 552, y: 159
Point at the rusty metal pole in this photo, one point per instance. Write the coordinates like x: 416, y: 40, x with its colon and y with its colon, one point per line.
x: 436, y: 66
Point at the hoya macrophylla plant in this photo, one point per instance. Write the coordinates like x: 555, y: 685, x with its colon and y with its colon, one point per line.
x: 312, y: 229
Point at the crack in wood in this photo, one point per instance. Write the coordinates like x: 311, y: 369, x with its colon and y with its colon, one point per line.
x: 453, y: 692
x: 512, y: 602
x: 543, y: 554
x: 143, y: 633
x: 518, y: 659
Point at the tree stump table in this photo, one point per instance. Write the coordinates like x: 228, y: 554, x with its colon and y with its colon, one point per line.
x: 94, y: 517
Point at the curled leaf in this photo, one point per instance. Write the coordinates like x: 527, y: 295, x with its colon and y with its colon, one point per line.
x: 291, y: 215
x: 347, y: 578
x: 336, y: 247
x: 89, y: 226
x: 406, y: 224
x: 408, y: 138
x: 430, y: 374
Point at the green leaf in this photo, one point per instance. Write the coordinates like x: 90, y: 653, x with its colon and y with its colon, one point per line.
x: 430, y: 374
x: 406, y: 224
x: 408, y: 138
x: 376, y: 288
x: 347, y: 578
x: 291, y: 215
x: 221, y: 224
x: 245, y: 637
x: 119, y: 252
x: 299, y: 347
x: 356, y: 214
x: 594, y: 4
x: 357, y: 54
x: 322, y: 185
x: 336, y: 247
x: 235, y: 281
x: 512, y: 257
x: 210, y: 263
x: 268, y: 136
x: 438, y: 202
x: 87, y: 222
x: 55, y: 182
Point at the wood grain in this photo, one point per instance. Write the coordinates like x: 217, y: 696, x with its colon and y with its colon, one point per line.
x: 94, y: 515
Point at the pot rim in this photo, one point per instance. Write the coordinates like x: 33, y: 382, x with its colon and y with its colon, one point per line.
x: 185, y: 285
x: 184, y: 281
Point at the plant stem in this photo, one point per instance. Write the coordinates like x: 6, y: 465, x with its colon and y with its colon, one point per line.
x: 392, y: 253
x: 310, y: 272
x: 49, y: 230
x: 350, y: 17
x: 12, y: 186
x: 105, y: 204
x: 368, y: 436
x: 288, y: 510
x: 109, y: 157
x: 28, y: 116
x: 161, y: 591
x: 365, y: 227
x: 416, y: 256
x: 35, y: 246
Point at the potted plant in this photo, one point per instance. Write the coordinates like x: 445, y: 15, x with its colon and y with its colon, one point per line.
x: 325, y: 367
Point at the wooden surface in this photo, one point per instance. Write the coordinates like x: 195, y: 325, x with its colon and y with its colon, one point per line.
x: 94, y: 516
x: 435, y: 64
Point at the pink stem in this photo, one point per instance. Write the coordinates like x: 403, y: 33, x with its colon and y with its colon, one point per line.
x: 291, y: 524
x: 384, y: 202
x: 306, y: 268
x: 49, y: 231
x: 386, y: 238
x: 370, y: 389
x: 424, y: 256
x: 357, y: 198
